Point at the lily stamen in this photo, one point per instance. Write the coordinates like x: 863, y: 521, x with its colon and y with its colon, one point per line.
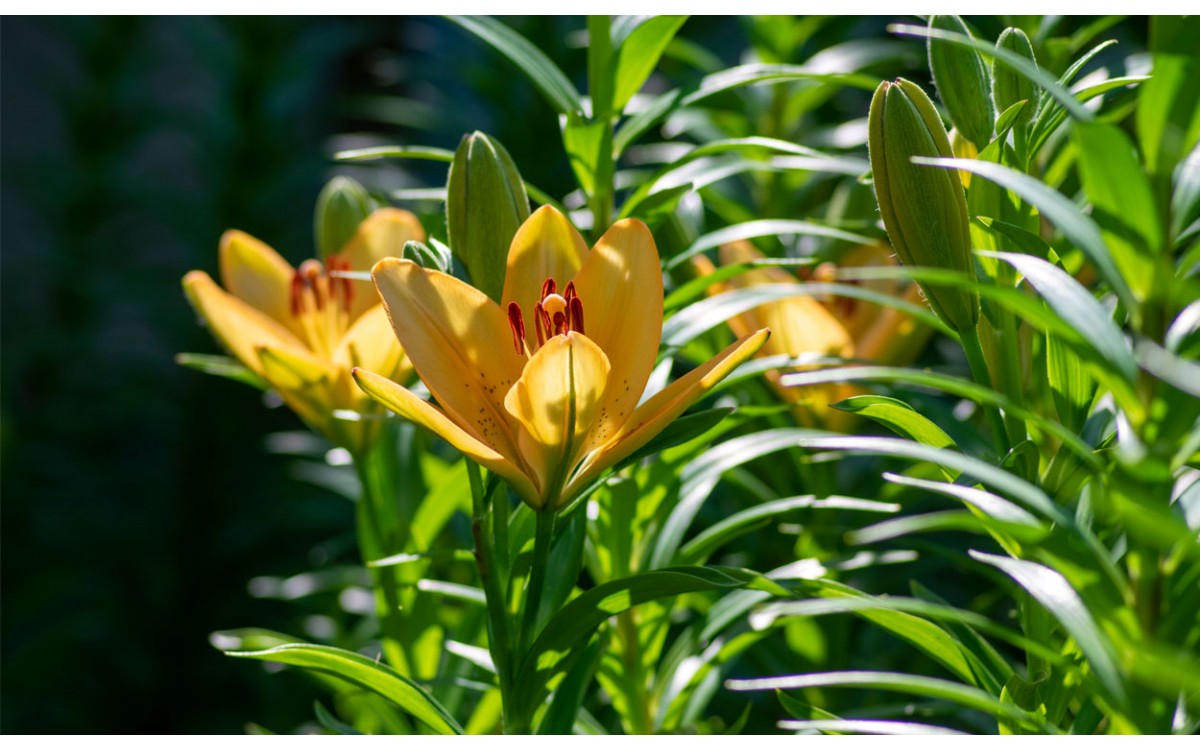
x: 517, y: 323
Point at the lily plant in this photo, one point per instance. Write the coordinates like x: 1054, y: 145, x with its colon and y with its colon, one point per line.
x: 545, y: 390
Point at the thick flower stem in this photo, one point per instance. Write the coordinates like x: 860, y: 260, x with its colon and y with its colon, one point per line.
x: 499, y: 643
x: 542, y: 542
x: 979, y: 371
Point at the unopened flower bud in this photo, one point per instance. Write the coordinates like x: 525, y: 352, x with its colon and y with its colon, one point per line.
x: 923, y: 208
x: 425, y: 256
x: 1008, y: 86
x: 486, y: 204
x: 341, y: 207
x: 962, y: 82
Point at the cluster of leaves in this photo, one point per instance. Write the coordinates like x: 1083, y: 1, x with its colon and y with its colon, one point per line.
x: 1040, y: 565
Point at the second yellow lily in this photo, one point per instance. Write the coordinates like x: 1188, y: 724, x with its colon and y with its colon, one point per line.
x: 302, y: 329
x: 838, y: 326
x: 543, y: 390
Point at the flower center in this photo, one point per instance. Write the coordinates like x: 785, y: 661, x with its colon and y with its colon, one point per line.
x: 321, y: 303
x: 553, y: 315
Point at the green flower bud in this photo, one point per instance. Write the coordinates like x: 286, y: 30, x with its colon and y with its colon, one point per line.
x: 1009, y: 87
x: 924, y: 209
x: 962, y: 82
x: 486, y: 204
x: 341, y: 207
x: 425, y: 256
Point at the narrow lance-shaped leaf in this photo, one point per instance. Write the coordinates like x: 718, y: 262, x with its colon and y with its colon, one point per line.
x: 1054, y: 206
x: 366, y: 673
x: 545, y: 75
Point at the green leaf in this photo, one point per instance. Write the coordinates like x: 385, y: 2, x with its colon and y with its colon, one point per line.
x: 864, y: 726
x: 639, y: 53
x: 899, y: 417
x: 331, y: 722
x: 1023, y: 695
x: 1078, y: 307
x: 224, y: 367
x: 681, y: 430
x: 541, y: 71
x: 367, y: 674
x: 963, y: 695
x: 949, y: 384
x: 762, y: 228
x: 1070, y: 385
x: 1054, y: 593
x: 395, y: 152
x: 560, y: 642
x: 1055, y: 207
x: 988, y: 504
x: 1185, y: 201
x: 1122, y: 203
x: 1007, y: 58
x: 1053, y: 116
x: 1168, y: 115
x: 643, y: 120
x: 582, y: 139
x: 838, y: 598
x: 921, y: 633
x: 756, y: 73
x: 745, y: 521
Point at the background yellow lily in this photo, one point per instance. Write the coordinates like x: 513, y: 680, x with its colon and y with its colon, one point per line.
x: 303, y: 329
x: 838, y: 326
x: 543, y: 390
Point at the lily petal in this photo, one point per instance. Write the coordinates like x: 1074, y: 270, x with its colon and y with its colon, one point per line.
x: 381, y: 235
x: 405, y: 404
x: 620, y: 286
x: 546, y: 246
x: 240, y: 328
x: 253, y: 272
x: 556, y: 402
x: 459, y: 343
x: 371, y: 344
x: 661, y: 409
x: 305, y: 385
x: 800, y: 325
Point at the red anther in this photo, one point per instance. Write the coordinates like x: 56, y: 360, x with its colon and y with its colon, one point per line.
x: 560, y: 323
x: 541, y: 323
x: 569, y: 293
x: 517, y: 323
x: 548, y: 288
x: 311, y: 271
x: 576, y: 313
x: 346, y: 285
x: 297, y: 292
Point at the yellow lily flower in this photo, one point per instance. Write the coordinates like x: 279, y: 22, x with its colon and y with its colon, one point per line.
x: 543, y: 390
x: 303, y: 329
x: 839, y: 327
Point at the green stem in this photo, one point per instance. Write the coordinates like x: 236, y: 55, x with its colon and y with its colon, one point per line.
x: 601, y: 68
x: 542, y: 542
x: 979, y: 371
x: 1010, y: 379
x: 499, y: 642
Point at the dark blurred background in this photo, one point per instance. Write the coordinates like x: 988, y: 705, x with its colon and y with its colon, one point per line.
x: 139, y: 497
